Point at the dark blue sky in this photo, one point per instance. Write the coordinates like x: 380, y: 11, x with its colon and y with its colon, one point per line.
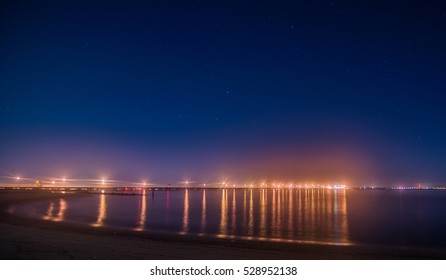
x: 204, y: 90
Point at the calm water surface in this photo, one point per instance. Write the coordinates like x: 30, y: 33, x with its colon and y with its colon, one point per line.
x: 342, y: 217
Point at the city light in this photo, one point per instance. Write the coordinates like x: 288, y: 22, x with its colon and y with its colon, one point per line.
x: 86, y: 183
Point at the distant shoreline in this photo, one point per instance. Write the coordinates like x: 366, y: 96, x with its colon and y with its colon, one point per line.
x: 27, y: 238
x: 125, y: 190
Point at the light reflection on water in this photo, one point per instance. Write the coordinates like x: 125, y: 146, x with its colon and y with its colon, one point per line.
x: 141, y: 212
x: 186, y: 213
x: 59, y: 216
x: 102, y: 213
x: 203, y: 212
x: 306, y: 215
x: 223, y: 212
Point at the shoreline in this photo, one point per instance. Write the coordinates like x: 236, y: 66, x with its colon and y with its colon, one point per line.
x: 29, y: 238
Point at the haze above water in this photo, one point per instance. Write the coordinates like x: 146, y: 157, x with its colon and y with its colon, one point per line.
x: 342, y: 217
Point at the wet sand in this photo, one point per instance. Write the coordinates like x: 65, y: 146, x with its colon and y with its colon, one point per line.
x: 26, y: 238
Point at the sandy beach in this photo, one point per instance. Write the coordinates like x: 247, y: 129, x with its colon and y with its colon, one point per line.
x: 26, y: 238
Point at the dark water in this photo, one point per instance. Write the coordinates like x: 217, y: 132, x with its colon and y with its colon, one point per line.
x: 343, y: 217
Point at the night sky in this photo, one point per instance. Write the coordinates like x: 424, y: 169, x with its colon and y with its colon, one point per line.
x: 169, y: 91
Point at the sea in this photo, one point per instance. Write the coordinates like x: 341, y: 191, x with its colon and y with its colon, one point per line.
x: 401, y: 218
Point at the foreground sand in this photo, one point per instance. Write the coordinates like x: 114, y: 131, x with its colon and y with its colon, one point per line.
x: 25, y: 238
